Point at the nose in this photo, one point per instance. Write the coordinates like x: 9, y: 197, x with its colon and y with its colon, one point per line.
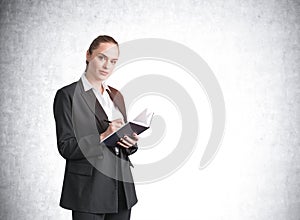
x: 105, y: 64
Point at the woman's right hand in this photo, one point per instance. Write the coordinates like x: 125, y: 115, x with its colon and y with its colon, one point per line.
x: 112, y: 127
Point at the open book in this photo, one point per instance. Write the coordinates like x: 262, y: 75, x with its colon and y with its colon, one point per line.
x: 138, y: 125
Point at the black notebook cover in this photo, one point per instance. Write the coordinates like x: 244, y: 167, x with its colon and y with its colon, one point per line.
x: 127, y: 129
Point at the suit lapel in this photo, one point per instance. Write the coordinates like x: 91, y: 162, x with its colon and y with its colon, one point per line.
x: 92, y: 102
x: 95, y: 106
x: 117, y: 98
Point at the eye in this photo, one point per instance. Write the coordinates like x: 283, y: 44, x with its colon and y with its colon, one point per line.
x: 101, y: 58
x: 113, y: 62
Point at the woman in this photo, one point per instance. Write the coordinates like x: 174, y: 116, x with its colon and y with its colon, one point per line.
x: 98, y: 183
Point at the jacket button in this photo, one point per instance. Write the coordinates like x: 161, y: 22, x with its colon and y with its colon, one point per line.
x: 100, y: 157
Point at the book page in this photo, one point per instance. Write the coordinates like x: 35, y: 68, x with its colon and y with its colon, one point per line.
x: 144, y: 118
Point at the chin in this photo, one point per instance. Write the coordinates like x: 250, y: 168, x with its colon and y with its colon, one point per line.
x: 102, y: 77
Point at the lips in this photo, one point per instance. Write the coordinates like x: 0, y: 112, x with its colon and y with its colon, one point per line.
x: 103, y: 72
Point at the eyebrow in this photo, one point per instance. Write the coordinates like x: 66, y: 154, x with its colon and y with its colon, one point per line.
x: 106, y: 56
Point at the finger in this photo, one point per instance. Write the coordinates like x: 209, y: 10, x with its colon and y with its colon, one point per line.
x: 113, y: 128
x: 130, y: 140
x: 122, y: 145
x: 134, y: 137
x: 118, y: 121
x: 125, y: 142
x: 117, y: 126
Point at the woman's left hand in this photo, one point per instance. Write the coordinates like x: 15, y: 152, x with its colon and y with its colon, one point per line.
x: 127, y: 141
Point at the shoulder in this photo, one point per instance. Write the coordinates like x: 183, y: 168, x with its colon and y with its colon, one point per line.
x: 68, y: 89
x: 65, y: 93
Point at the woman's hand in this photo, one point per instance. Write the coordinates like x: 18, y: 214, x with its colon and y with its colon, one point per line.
x: 127, y: 141
x: 113, y: 126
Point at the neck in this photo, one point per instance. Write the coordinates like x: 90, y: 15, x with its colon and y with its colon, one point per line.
x: 95, y: 82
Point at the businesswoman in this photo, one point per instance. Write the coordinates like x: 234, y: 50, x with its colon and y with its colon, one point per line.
x: 98, y: 183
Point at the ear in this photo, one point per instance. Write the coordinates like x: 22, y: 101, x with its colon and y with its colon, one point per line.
x: 88, y: 56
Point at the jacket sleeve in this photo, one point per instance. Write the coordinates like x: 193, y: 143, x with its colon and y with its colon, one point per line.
x: 131, y: 150
x: 68, y: 145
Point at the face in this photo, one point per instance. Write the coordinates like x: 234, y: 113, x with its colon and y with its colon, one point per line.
x: 102, y: 61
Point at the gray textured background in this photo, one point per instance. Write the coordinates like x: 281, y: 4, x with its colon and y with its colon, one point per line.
x: 253, y: 48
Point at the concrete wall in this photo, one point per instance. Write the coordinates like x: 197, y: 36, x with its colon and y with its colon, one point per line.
x: 253, y: 49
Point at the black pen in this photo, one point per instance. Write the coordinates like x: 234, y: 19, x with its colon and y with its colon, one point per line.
x: 108, y: 121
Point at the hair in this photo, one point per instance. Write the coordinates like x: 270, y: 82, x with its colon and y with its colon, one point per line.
x: 100, y: 39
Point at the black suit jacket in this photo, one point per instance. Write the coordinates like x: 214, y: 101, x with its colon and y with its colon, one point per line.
x: 90, y: 183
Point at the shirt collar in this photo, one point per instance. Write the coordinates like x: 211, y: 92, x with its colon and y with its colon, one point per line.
x: 87, y: 85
